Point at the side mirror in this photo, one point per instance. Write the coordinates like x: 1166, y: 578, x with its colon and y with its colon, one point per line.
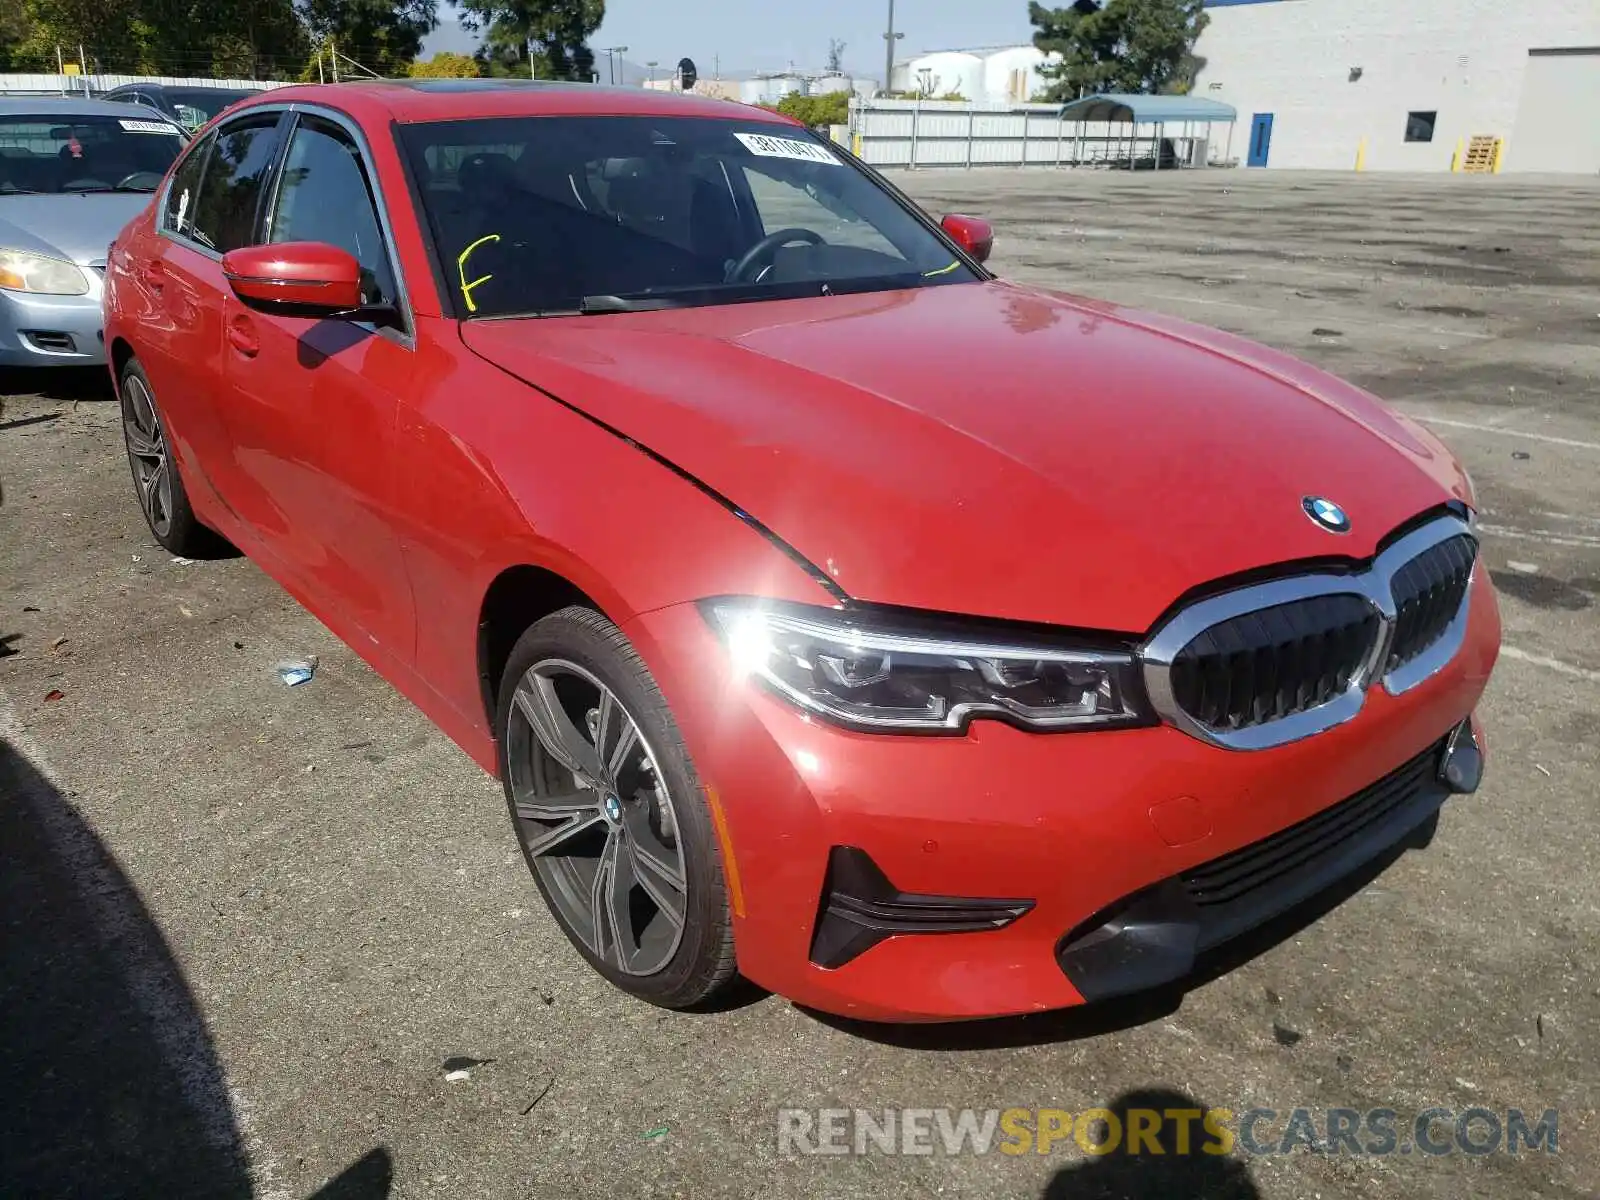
x: 312, y: 277
x: 972, y: 234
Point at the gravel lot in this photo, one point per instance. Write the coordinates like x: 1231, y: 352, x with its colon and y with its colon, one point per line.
x: 246, y: 927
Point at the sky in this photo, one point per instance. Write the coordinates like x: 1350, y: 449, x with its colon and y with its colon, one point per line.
x: 748, y: 35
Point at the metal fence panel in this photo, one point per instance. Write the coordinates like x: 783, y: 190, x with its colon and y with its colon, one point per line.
x: 936, y: 133
x: 57, y: 85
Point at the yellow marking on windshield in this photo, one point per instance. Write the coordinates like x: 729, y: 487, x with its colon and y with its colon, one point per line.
x: 461, y: 268
x: 942, y: 270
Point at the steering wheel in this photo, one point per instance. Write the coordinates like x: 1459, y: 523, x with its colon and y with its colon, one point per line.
x: 763, y: 251
x: 138, y: 177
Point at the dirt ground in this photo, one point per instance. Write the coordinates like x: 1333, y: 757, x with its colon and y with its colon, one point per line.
x: 248, y: 928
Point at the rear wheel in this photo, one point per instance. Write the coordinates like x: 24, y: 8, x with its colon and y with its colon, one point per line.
x: 155, y: 475
x: 610, y: 814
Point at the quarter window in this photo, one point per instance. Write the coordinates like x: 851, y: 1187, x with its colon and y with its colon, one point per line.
x: 230, y: 188
x: 179, y: 215
x: 326, y: 197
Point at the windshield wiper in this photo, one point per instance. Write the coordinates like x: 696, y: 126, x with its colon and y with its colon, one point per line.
x: 84, y: 191
x: 592, y: 306
x: 698, y: 295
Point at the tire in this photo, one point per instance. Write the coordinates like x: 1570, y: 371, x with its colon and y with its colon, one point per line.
x: 612, y: 847
x: 156, y: 481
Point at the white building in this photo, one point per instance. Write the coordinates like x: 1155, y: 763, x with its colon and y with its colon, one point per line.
x: 1314, y: 79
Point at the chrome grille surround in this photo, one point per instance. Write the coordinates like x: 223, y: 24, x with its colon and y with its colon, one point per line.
x: 1375, y: 585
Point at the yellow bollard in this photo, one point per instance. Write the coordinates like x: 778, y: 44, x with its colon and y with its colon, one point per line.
x: 1455, y: 161
x: 1361, y: 155
x: 856, y: 149
x: 1499, y: 153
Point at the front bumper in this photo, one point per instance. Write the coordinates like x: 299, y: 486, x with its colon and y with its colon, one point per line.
x: 1073, y: 824
x: 52, y: 331
x: 1154, y: 937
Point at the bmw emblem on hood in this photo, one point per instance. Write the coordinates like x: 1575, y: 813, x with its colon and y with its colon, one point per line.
x: 1327, y: 514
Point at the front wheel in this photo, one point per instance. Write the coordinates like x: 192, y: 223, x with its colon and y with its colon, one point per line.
x: 610, y: 813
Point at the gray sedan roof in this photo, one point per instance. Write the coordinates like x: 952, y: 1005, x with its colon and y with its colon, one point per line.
x: 65, y: 106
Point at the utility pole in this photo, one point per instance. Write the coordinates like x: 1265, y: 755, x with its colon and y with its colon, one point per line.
x: 652, y: 64
x: 611, y: 53
x: 889, y: 39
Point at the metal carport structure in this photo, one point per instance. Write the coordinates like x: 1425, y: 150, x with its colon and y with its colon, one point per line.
x: 1156, y: 112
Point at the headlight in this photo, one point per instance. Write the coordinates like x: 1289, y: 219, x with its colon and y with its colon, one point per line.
x: 21, y: 271
x: 876, y: 674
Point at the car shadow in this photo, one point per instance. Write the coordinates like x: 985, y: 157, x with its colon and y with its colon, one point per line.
x: 1189, y: 1166
x: 114, y: 1085
x: 1128, y: 1012
x: 58, y: 383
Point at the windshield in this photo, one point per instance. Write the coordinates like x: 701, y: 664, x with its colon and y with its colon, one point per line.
x: 559, y: 215
x: 196, y: 106
x: 71, y: 152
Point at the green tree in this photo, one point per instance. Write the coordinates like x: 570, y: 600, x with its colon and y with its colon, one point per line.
x: 15, y: 26
x: 382, y: 35
x: 242, y: 38
x: 445, y: 65
x: 554, y: 34
x: 832, y: 108
x: 1118, y: 46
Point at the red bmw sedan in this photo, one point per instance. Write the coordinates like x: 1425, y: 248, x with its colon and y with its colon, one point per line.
x: 916, y: 644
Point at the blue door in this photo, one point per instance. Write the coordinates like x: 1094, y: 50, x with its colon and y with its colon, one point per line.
x: 1260, y: 140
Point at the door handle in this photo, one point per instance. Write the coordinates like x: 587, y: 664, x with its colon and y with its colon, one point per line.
x: 242, y: 336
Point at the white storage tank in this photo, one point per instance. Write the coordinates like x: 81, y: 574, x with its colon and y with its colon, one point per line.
x: 829, y: 84
x: 946, y: 72
x: 1012, y: 76
x: 780, y: 86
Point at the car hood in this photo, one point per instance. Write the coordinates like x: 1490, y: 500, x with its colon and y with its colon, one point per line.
x: 75, y: 225
x: 992, y: 449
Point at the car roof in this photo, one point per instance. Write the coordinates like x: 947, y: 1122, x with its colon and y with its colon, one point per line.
x: 420, y: 100
x: 183, y: 87
x: 60, y: 106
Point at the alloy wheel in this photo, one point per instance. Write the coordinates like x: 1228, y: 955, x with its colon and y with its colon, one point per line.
x: 595, y: 817
x: 147, y: 450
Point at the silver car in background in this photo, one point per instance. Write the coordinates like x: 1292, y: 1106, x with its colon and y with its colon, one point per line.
x: 72, y: 174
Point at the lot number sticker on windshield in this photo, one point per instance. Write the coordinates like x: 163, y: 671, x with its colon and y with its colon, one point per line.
x: 148, y: 127
x: 776, y: 147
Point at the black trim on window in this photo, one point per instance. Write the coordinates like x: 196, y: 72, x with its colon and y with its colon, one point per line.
x: 419, y: 216
x: 269, y: 183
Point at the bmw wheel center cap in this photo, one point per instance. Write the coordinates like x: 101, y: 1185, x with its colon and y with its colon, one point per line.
x: 1327, y: 514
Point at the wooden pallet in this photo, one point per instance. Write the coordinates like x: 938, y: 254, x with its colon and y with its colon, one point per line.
x: 1482, y: 153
